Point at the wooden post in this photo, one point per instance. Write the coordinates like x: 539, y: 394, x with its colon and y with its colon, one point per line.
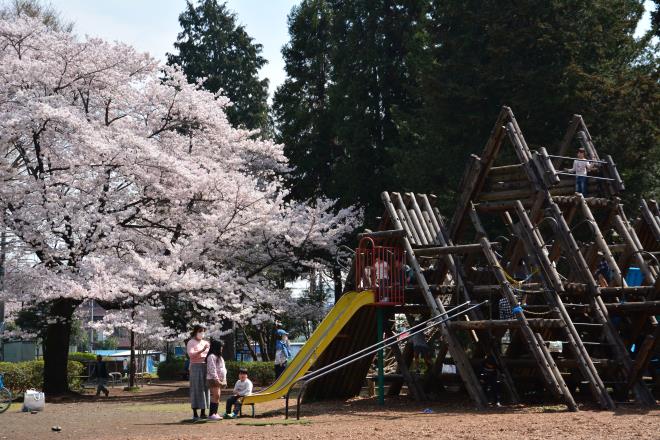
x: 473, y: 179
x: 437, y: 309
x: 568, y: 137
x: 414, y: 389
x: 601, y: 243
x: 599, y: 311
x: 636, y: 251
x: 552, y: 376
x: 554, y: 289
x: 651, y: 220
x: 451, y: 263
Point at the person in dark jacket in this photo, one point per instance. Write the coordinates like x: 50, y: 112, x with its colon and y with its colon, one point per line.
x: 100, y: 373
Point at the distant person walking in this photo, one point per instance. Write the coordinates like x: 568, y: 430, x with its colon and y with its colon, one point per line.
x: 100, y: 373
x: 282, y: 352
x: 216, y: 375
x: 197, y: 349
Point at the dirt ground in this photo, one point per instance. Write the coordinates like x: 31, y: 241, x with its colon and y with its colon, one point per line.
x: 160, y: 411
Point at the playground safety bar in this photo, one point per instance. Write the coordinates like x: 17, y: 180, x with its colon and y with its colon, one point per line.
x: 575, y: 158
x: 588, y: 177
x: 376, y: 346
x: 371, y: 350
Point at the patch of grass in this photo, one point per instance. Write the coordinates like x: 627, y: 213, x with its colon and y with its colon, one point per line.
x: 132, y: 389
x: 274, y: 422
x: 553, y: 408
x: 158, y: 407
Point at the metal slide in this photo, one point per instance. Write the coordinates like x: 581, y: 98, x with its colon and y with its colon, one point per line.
x: 328, y: 329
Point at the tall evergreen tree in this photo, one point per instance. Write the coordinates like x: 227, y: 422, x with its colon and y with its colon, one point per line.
x: 301, y: 104
x: 212, y: 45
x: 348, y: 91
x: 547, y: 59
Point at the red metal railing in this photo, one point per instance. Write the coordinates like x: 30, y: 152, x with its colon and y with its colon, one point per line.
x: 381, y: 269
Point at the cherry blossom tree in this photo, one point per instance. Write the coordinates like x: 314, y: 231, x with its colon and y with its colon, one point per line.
x: 128, y: 186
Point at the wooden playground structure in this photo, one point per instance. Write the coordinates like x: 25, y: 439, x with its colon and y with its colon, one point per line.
x: 521, y: 237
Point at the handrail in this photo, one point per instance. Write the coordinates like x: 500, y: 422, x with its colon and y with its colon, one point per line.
x: 377, y: 346
x: 609, y: 179
x: 394, y: 339
x: 555, y: 156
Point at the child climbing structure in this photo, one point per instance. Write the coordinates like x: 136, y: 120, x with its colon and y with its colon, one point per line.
x: 571, y: 283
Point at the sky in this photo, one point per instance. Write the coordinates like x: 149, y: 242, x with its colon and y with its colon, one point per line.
x: 152, y: 25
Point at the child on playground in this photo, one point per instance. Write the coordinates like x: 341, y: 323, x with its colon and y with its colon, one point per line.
x: 282, y: 352
x: 216, y: 375
x: 581, y: 166
x: 242, y: 388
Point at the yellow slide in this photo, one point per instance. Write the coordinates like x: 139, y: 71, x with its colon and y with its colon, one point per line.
x: 337, y: 318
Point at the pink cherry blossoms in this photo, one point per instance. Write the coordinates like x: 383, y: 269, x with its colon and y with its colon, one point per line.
x: 126, y: 184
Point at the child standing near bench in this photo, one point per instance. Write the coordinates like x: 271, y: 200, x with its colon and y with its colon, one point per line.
x: 216, y: 375
x: 242, y: 388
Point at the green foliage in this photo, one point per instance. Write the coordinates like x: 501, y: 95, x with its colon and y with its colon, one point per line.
x: 394, y: 95
x: 41, y: 10
x: 350, y: 82
x: 110, y: 343
x: 82, y: 357
x: 212, y: 45
x: 260, y: 373
x: 564, y: 57
x: 20, y: 376
x: 79, y: 337
x: 172, y: 369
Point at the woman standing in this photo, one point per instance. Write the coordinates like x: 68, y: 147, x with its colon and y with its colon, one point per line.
x: 197, y: 349
x: 216, y: 375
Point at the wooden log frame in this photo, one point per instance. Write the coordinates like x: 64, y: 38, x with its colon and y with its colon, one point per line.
x: 437, y: 234
x: 485, y: 341
x: 598, y: 309
x: 652, y: 220
x: 414, y: 387
x: 394, y: 233
x: 616, y: 308
x: 505, y: 324
x: 466, y: 371
x: 600, y: 242
x: 578, y: 128
x: 554, y: 289
x: 536, y: 214
x: 476, y: 171
x: 547, y: 366
x: 535, y: 343
x: 626, y: 233
x: 575, y: 123
x: 650, y: 273
x: 455, y: 249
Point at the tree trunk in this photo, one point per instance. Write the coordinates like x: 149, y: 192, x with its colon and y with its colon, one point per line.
x: 229, y: 340
x: 336, y: 277
x: 3, y: 253
x: 249, y: 344
x: 56, y: 347
x: 131, y: 362
x: 265, y: 355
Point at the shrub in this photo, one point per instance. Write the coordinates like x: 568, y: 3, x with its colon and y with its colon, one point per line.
x: 171, y: 369
x: 82, y: 357
x: 260, y: 373
x: 20, y: 376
